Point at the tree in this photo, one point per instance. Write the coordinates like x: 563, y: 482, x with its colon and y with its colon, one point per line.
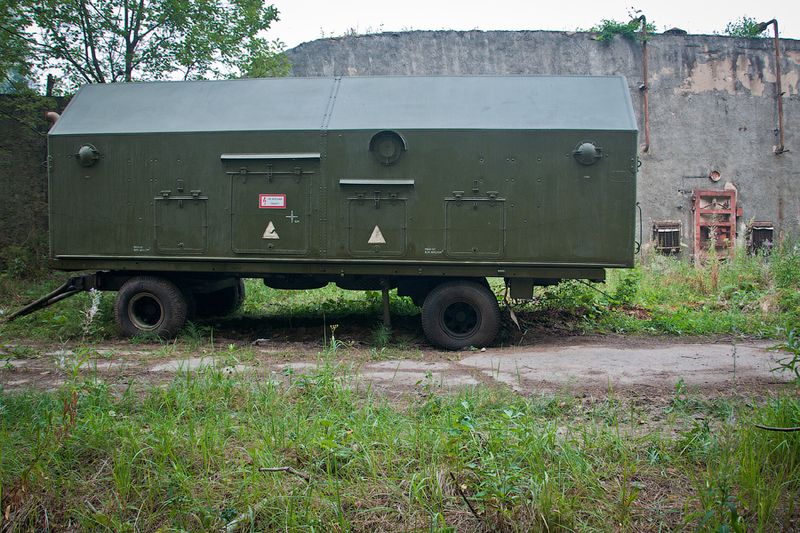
x: 744, y: 27
x: 103, y: 41
x: 14, y: 47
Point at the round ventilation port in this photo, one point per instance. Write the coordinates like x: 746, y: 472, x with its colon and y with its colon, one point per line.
x: 387, y: 147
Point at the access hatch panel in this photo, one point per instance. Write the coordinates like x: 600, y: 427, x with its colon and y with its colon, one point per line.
x: 271, y: 202
x: 376, y: 226
x: 181, y: 224
x: 474, y: 227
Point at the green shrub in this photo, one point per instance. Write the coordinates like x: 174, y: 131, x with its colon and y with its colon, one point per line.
x: 744, y: 27
x: 609, y: 28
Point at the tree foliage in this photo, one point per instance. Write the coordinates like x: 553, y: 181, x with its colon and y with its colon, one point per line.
x: 15, y: 51
x: 103, y: 41
x: 744, y: 27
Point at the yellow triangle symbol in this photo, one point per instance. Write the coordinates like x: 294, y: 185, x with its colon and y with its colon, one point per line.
x: 270, y: 232
x: 376, y: 237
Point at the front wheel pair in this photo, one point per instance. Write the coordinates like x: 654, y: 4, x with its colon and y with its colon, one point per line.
x: 156, y: 306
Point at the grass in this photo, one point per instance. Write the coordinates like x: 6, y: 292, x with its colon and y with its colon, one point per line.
x: 330, y: 301
x: 746, y: 295
x: 188, y: 456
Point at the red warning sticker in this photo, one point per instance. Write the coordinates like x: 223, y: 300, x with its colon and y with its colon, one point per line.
x: 272, y: 201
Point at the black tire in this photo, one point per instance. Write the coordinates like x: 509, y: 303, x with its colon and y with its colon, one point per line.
x: 150, y: 305
x: 219, y: 303
x: 458, y: 314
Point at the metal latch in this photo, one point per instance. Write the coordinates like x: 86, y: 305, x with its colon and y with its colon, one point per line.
x: 165, y: 193
x: 195, y: 193
x: 458, y: 194
x: 492, y: 194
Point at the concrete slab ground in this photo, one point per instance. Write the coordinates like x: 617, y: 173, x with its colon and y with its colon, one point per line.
x: 578, y: 364
x: 696, y: 364
x: 176, y: 365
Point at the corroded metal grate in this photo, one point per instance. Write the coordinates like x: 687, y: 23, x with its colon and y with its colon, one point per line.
x: 667, y: 237
x: 760, y: 237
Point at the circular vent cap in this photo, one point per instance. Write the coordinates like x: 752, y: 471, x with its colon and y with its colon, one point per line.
x: 387, y: 147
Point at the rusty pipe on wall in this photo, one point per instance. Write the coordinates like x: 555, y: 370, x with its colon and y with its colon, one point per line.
x: 645, y: 88
x: 781, y: 148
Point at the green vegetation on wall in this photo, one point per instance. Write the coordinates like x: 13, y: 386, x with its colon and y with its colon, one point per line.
x: 607, y: 29
x: 744, y: 27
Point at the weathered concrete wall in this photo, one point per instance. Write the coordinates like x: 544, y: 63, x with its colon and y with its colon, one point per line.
x: 712, y: 103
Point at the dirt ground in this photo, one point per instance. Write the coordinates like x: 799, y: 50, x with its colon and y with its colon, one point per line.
x: 638, y: 366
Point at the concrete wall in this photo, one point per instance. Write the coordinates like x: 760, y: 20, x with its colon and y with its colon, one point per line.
x: 712, y: 103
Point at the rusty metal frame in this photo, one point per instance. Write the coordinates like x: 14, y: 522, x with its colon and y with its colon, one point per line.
x: 720, y: 217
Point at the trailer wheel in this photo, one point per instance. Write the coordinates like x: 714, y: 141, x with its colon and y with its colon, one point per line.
x: 458, y: 314
x: 147, y: 304
x: 219, y: 303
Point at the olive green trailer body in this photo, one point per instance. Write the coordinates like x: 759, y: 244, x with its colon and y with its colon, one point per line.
x: 366, y: 181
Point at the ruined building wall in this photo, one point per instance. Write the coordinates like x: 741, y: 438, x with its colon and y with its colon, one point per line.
x: 712, y: 104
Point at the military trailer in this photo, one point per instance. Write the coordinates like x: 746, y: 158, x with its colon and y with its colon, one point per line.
x: 172, y: 192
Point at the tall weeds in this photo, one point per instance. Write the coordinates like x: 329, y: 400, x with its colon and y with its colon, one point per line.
x: 754, y: 295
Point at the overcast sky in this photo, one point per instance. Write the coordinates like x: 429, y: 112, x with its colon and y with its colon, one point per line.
x: 306, y: 20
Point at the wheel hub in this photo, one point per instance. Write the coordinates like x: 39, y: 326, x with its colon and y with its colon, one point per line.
x: 460, y: 319
x: 146, y: 311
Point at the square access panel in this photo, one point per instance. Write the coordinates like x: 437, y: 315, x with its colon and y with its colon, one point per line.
x: 376, y: 227
x: 474, y: 227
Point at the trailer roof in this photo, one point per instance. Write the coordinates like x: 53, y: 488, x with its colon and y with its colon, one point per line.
x: 353, y: 103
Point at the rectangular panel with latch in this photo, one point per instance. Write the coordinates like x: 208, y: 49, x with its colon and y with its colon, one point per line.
x: 376, y: 226
x: 271, y: 202
x: 474, y: 227
x: 181, y: 223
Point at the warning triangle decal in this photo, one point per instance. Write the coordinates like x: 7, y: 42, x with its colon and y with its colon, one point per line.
x: 270, y: 232
x: 376, y: 237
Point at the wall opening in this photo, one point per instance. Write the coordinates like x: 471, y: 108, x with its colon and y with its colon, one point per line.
x: 667, y: 237
x: 760, y: 237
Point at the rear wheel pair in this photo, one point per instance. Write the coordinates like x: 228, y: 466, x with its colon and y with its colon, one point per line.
x: 153, y: 305
x: 459, y: 314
